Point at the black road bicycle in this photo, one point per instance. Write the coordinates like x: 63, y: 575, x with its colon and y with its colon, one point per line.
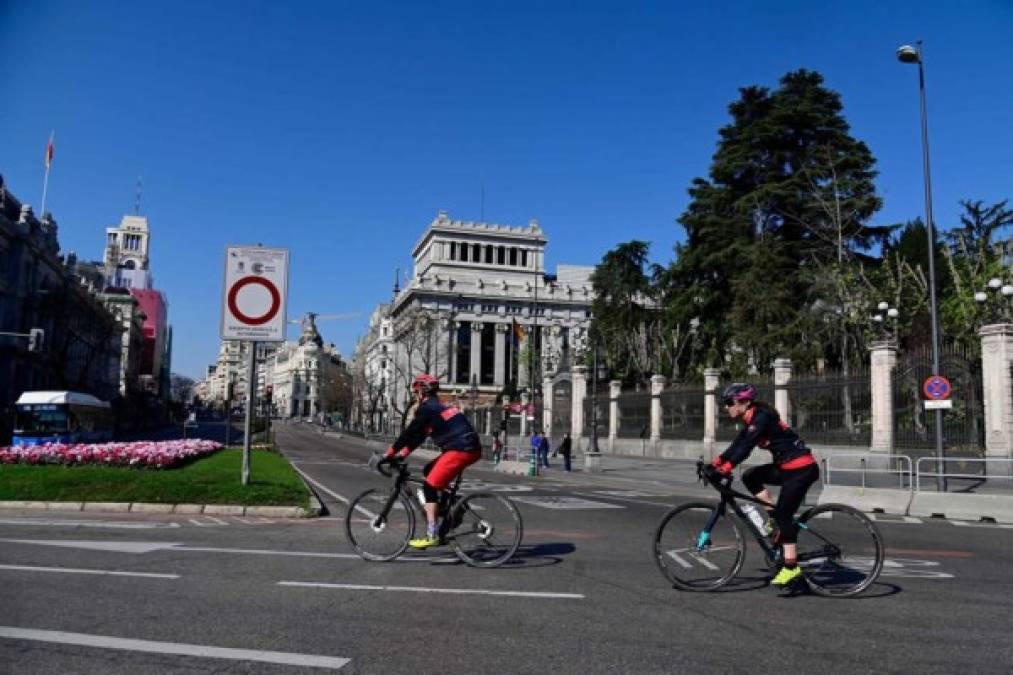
x: 484, y: 528
x: 699, y: 546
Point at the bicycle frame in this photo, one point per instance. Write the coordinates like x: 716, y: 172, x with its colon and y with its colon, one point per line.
x: 404, y: 478
x: 773, y: 553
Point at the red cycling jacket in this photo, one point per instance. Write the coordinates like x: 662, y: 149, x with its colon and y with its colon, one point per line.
x: 763, y: 427
x: 447, y: 426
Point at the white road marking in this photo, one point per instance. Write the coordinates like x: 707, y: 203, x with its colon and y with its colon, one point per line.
x: 666, y: 505
x: 86, y: 523
x: 422, y: 589
x: 559, y: 502
x: 199, y: 523
x: 703, y: 561
x: 883, y: 518
x: 343, y: 500
x: 674, y: 555
x: 117, y: 546
x: 218, y: 521
x: 74, y: 570
x: 967, y: 523
x: 177, y: 648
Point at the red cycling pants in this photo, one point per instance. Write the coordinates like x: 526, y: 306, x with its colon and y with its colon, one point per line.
x: 449, y: 466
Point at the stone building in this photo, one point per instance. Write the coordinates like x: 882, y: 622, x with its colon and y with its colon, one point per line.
x: 481, y: 313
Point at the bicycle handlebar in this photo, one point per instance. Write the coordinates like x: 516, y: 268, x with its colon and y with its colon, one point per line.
x: 387, y: 468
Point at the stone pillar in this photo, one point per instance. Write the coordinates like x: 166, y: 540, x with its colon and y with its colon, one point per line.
x: 782, y: 376
x: 547, y: 405
x: 524, y: 417
x: 578, y: 375
x: 657, y: 386
x: 499, y: 375
x: 997, y: 386
x: 883, y: 355
x: 615, y: 390
x: 711, y: 379
x: 475, y: 371
x: 452, y: 365
x: 488, y: 421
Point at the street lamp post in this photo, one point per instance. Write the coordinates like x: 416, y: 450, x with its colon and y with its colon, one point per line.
x: 1001, y: 307
x: 592, y: 458
x: 913, y: 54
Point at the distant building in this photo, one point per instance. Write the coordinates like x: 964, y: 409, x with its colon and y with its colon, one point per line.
x: 126, y: 256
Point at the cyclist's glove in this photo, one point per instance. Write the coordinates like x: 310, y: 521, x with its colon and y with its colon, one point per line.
x: 376, y: 460
x: 718, y: 469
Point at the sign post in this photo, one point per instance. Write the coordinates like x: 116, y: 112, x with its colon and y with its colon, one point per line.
x: 254, y: 303
x: 937, y: 390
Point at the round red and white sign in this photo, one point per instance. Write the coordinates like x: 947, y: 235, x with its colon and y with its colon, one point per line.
x: 259, y: 309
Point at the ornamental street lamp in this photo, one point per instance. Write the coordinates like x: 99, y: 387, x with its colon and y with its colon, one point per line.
x: 890, y: 313
x: 914, y: 54
x: 592, y: 457
x: 998, y: 309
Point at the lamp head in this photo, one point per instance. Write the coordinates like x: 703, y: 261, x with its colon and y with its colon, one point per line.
x: 994, y: 282
x: 1007, y: 290
x: 882, y: 306
x: 908, y: 54
x: 892, y: 313
x: 878, y: 318
x: 980, y: 296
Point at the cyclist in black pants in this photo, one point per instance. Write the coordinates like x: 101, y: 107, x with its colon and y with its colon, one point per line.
x: 794, y: 468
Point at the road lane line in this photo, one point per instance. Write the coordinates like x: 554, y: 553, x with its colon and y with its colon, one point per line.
x: 176, y: 648
x: 73, y: 570
x: 217, y: 520
x: 423, y: 589
x: 86, y: 523
x: 343, y: 500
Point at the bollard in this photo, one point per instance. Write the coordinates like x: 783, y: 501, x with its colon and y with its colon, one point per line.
x: 533, y: 465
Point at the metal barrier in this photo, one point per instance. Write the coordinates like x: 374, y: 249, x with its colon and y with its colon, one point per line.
x: 984, y: 475
x: 865, y: 464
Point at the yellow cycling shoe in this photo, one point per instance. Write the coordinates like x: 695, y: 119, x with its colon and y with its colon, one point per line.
x: 424, y: 542
x: 787, y: 575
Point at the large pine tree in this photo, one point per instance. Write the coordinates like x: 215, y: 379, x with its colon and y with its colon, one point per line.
x: 789, y: 199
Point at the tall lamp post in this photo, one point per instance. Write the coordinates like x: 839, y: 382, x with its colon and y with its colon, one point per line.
x: 592, y: 458
x: 913, y: 54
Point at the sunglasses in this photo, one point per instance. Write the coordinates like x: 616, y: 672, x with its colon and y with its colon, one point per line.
x: 728, y: 402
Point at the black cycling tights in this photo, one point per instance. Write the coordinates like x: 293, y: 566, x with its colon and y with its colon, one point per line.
x: 794, y: 484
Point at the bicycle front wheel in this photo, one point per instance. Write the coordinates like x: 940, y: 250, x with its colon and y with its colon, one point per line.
x: 840, y: 550
x: 693, y: 558
x: 486, y: 529
x: 376, y: 535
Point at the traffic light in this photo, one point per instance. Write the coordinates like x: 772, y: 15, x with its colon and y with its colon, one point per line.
x: 35, y: 339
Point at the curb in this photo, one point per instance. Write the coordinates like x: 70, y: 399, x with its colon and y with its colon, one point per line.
x: 187, y: 509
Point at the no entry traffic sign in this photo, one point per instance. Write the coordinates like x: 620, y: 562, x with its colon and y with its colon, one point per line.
x: 255, y: 294
x: 937, y: 388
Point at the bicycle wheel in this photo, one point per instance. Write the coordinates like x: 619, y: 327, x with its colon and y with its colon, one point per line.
x: 486, y: 529
x: 695, y: 560
x: 840, y: 550
x: 379, y: 538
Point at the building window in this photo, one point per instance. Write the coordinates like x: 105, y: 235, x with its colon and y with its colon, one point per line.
x: 524, y: 258
x: 513, y: 256
x: 501, y: 255
x: 464, y: 253
x: 453, y: 250
x: 476, y: 252
x: 488, y: 255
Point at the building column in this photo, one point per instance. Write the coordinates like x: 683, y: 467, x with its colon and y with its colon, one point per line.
x: 615, y: 389
x: 883, y: 361
x: 475, y: 371
x: 523, y: 369
x: 488, y: 421
x: 711, y: 380
x: 547, y: 394
x: 997, y: 387
x: 499, y: 376
x: 657, y: 386
x: 782, y: 376
x: 578, y: 380
x: 452, y: 356
x: 524, y: 416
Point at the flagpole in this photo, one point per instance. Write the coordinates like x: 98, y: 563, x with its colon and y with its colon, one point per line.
x: 45, y: 181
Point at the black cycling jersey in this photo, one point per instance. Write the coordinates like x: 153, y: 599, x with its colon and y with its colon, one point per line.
x: 763, y: 427
x: 447, y: 426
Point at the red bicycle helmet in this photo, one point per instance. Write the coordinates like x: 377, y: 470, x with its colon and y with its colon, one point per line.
x: 425, y: 383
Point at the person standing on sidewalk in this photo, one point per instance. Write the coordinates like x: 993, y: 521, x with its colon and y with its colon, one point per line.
x: 536, y: 443
x: 497, y: 448
x: 565, y: 450
x: 543, y: 451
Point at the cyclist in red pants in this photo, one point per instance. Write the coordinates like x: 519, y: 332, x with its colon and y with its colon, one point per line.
x: 794, y: 468
x: 452, y: 432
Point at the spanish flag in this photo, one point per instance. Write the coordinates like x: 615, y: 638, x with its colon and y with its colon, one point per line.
x: 49, y: 152
x: 519, y: 331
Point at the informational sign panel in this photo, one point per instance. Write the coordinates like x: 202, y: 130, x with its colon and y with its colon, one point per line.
x: 943, y: 404
x: 255, y: 294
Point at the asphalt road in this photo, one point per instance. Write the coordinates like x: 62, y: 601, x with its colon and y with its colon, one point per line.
x: 105, y: 593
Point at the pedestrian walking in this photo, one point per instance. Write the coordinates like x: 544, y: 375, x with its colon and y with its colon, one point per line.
x: 536, y: 442
x: 497, y: 448
x: 543, y: 451
x: 564, y: 450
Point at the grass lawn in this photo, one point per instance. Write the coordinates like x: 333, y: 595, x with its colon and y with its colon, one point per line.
x: 209, y: 480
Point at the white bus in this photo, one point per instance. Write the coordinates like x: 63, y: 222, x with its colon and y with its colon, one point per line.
x: 61, y: 417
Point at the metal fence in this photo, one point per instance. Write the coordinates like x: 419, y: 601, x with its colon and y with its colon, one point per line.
x: 963, y: 425
x: 832, y: 409
x: 868, y: 471
x: 634, y: 415
x: 727, y: 428
x: 682, y: 412
x: 604, y: 409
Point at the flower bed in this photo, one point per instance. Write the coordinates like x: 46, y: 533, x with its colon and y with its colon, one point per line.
x: 150, y: 454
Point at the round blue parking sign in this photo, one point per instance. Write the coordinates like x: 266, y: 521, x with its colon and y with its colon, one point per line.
x: 937, y: 388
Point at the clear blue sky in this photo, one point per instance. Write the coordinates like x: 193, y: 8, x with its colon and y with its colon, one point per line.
x: 339, y: 129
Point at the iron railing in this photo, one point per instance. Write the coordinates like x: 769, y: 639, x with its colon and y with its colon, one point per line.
x: 634, y: 414
x: 682, y: 413
x: 832, y: 409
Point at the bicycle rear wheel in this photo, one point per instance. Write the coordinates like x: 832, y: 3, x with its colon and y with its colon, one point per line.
x: 376, y: 537
x: 840, y: 550
x: 692, y: 558
x: 486, y: 529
